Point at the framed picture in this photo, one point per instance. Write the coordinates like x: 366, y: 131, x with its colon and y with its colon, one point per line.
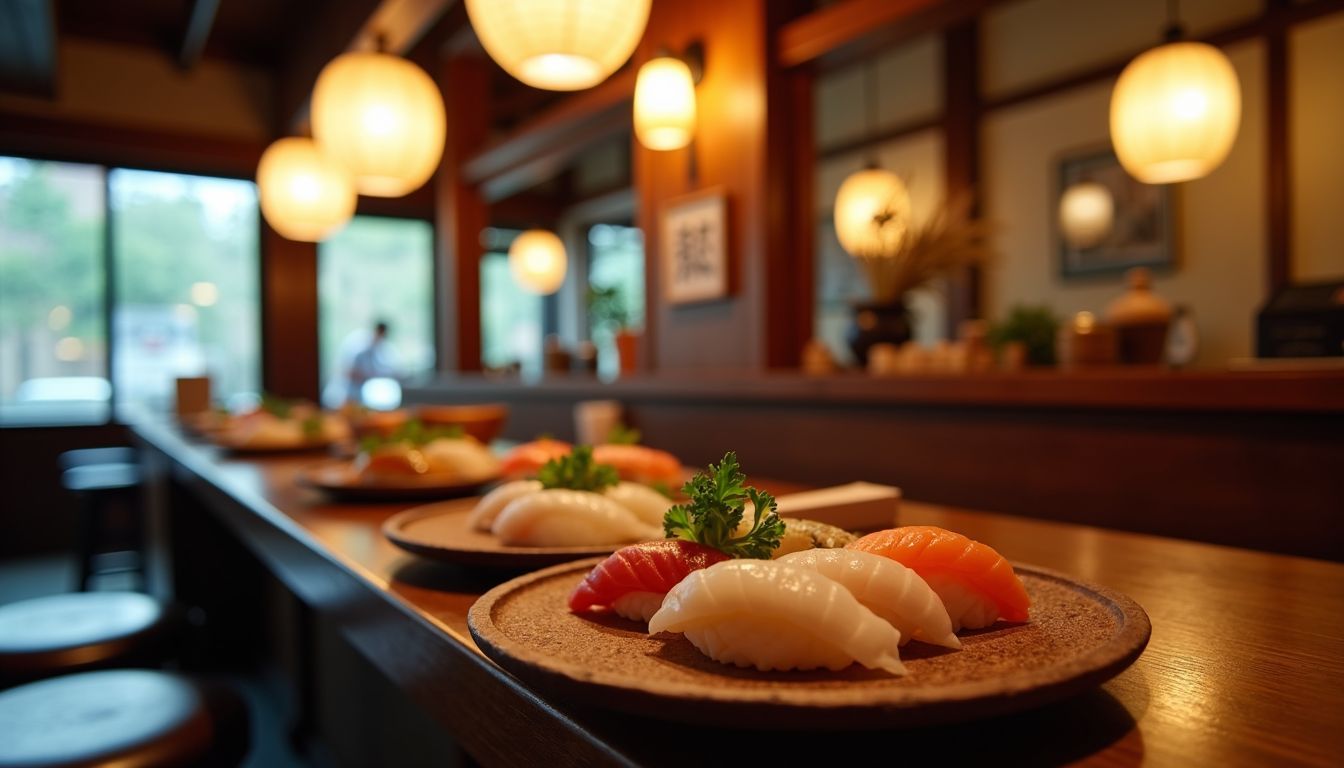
x: 694, y: 244
x: 1105, y: 221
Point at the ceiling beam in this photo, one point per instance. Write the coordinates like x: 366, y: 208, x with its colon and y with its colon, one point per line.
x: 28, y: 47
x: 199, y: 22
x: 850, y: 30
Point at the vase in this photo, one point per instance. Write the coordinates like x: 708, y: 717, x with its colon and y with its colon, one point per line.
x: 627, y: 350
x: 876, y: 323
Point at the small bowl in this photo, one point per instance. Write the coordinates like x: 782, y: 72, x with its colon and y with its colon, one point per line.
x: 380, y: 423
x: 483, y: 422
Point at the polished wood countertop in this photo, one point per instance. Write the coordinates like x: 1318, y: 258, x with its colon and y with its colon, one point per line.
x: 1245, y: 665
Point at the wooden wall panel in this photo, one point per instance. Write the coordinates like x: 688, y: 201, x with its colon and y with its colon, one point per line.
x: 289, y: 340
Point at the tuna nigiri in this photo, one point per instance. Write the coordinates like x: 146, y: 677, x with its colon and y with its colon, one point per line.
x: 885, y: 587
x: 975, y: 583
x: 769, y: 615
x: 634, y: 580
x: 562, y: 517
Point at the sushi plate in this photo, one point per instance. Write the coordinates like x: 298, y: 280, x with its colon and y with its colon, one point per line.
x: 244, y: 448
x: 339, y: 480
x: 1079, y: 636
x: 442, y: 532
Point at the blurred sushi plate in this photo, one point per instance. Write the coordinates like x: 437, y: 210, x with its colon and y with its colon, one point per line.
x: 339, y: 480
x: 1079, y: 636
x: 443, y: 531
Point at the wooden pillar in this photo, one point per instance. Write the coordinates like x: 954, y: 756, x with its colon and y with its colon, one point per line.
x: 961, y: 168
x: 460, y: 214
x: 1278, y: 157
x: 289, y: 336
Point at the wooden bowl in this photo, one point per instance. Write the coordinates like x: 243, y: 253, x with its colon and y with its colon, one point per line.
x: 380, y: 423
x: 482, y: 422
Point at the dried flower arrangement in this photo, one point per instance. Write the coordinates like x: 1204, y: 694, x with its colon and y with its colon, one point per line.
x: 949, y: 239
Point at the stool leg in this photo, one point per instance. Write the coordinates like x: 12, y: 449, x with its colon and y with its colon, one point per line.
x: 87, y: 536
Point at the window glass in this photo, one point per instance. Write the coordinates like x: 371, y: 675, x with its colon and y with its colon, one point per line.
x: 186, y: 254
x: 375, y: 270
x: 615, y: 261
x: 53, y: 338
x: 511, y: 318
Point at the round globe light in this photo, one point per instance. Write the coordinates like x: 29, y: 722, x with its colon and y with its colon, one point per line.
x: 537, y: 261
x: 1086, y: 214
x: 872, y: 213
x: 305, y: 195
x: 665, y: 104
x: 559, y: 45
x: 1175, y: 112
x: 383, y: 117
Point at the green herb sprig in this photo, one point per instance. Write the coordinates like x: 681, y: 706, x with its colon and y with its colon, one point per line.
x: 577, y: 471
x: 718, y: 499
x: 276, y: 406
x: 620, y: 434
x: 414, y: 433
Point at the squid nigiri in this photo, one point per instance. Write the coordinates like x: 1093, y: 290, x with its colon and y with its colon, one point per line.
x: 976, y: 584
x: 560, y: 517
x: 483, y: 515
x: 769, y: 615
x: 887, y: 588
x: 635, y: 579
x: 525, y: 459
x: 640, y: 464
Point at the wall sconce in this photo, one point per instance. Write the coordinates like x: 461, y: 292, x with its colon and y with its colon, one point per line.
x: 383, y: 117
x: 665, y: 110
x: 559, y: 45
x: 304, y: 193
x: 1175, y: 111
x: 1086, y: 214
x: 537, y: 261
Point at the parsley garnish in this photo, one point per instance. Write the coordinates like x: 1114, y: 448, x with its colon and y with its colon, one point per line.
x: 623, y: 435
x: 276, y: 406
x: 577, y: 471
x: 718, y: 503
x: 413, y: 433
x: 312, y: 427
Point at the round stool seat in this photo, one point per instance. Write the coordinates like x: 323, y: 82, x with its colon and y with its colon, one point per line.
x: 48, y: 635
x: 125, y: 717
x: 90, y: 478
x: 113, y: 455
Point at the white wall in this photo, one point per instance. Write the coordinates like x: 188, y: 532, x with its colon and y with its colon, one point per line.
x: 1316, y: 143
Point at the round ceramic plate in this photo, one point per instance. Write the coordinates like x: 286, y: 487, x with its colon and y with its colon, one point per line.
x: 441, y: 532
x: 1079, y: 636
x: 339, y: 480
x: 234, y: 446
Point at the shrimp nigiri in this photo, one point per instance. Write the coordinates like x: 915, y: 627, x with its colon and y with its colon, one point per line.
x: 887, y: 588
x: 975, y: 583
x: 526, y: 458
x: 561, y: 517
x: 635, y: 579
x: 640, y: 464
x: 769, y: 615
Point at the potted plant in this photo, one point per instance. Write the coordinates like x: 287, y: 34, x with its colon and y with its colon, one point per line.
x: 1030, y: 329
x: 608, y: 314
x: 948, y: 240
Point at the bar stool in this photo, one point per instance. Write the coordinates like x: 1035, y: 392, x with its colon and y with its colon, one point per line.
x: 116, y: 454
x: 122, y: 717
x: 110, y: 518
x: 47, y: 636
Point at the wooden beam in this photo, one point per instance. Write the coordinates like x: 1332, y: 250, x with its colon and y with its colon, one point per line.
x: 331, y: 33
x: 28, y: 47
x: 880, y: 137
x: 961, y: 166
x: 200, y: 20
x: 1278, y: 198
x: 289, y: 316
x: 551, y: 161
x: 849, y: 30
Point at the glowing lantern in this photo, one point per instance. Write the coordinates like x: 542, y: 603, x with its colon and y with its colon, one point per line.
x: 665, y: 104
x: 383, y: 117
x: 305, y: 195
x: 1175, y: 112
x: 537, y: 261
x: 872, y: 213
x: 559, y: 45
x: 1086, y: 214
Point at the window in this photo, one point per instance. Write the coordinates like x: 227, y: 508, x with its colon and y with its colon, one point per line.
x: 185, y: 251
x: 53, y: 335
x: 615, y: 261
x: 511, y: 318
x: 376, y: 269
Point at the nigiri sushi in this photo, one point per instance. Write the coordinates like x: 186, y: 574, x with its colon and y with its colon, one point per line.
x: 525, y: 459
x: 483, y: 515
x: 975, y: 583
x: 647, y: 504
x: 640, y: 464
x: 887, y: 588
x: 464, y: 458
x: 561, y: 517
x: 800, y: 535
x: 769, y: 615
x: 634, y: 580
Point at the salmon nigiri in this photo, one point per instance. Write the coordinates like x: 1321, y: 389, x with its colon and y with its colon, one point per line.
x: 525, y: 459
x: 633, y: 580
x: 975, y: 583
x: 640, y: 464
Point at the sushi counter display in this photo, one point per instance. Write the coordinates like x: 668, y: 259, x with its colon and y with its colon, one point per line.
x: 753, y: 636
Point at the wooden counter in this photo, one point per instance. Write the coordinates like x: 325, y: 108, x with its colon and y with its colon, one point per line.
x: 1246, y: 662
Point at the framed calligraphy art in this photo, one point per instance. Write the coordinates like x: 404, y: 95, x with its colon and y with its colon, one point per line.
x: 694, y: 246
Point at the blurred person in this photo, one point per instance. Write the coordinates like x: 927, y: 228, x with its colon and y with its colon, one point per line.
x: 364, y: 355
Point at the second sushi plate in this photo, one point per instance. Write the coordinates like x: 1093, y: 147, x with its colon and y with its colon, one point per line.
x: 443, y: 531
x: 1079, y: 636
x: 339, y: 480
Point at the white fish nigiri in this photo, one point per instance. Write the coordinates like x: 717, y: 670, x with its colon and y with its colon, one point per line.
x: 560, y: 517
x: 483, y: 515
x: 770, y: 615
x: 887, y: 588
x: 464, y: 458
x: 647, y: 504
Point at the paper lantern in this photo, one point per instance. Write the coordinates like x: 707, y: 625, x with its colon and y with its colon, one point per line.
x: 1175, y: 112
x: 665, y: 104
x: 1086, y: 214
x: 537, y: 261
x: 383, y: 117
x: 559, y: 45
x: 872, y: 213
x: 305, y: 194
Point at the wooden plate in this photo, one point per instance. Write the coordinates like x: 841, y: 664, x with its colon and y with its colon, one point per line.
x: 441, y: 532
x: 1079, y: 636
x: 339, y: 480
x: 243, y: 448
